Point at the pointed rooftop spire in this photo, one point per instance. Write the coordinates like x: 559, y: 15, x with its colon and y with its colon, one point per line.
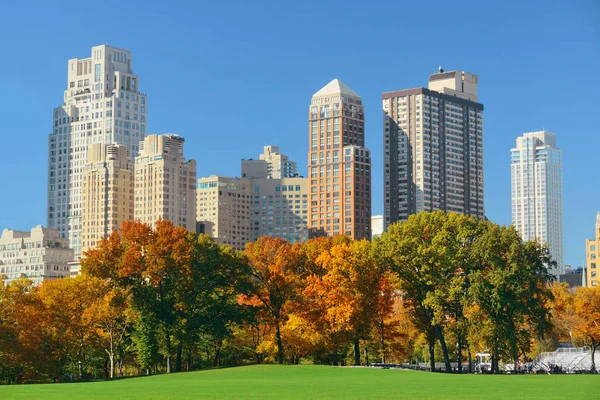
x: 334, y: 87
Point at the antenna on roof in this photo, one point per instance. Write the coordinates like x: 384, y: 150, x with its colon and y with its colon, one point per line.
x: 440, y: 69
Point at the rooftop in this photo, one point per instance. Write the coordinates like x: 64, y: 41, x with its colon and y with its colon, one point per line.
x: 336, y: 87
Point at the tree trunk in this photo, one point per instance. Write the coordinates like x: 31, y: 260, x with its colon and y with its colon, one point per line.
x: 168, y: 343
x: 432, y: 354
x: 279, y: 344
x: 189, y: 360
x: 382, y: 342
x: 217, y: 359
x: 366, y: 355
x: 356, y: 352
x: 111, y: 358
x: 178, y: 360
x: 593, y: 367
x: 459, y: 356
x: 440, y: 335
x: 470, y: 362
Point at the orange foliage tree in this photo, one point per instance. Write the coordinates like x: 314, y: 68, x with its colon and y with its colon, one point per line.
x: 274, y: 265
x: 348, y: 291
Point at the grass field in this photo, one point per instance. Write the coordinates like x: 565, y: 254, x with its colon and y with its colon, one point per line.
x: 318, y: 382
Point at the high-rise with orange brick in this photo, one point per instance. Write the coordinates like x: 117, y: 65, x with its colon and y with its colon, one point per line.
x: 339, y: 165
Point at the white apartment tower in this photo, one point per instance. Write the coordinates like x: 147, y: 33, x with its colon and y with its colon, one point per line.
x: 433, y: 148
x: 536, y: 187
x: 102, y: 104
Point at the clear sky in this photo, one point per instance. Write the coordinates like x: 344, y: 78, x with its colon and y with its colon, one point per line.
x: 233, y: 76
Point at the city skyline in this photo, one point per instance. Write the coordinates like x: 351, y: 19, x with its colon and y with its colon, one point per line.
x: 507, y: 115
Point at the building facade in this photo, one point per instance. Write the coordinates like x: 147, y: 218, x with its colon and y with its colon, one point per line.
x: 280, y: 209
x: 339, y: 164
x: 592, y: 256
x: 376, y: 226
x: 102, y: 104
x: 236, y: 211
x: 106, y: 192
x: 536, y: 192
x: 37, y: 255
x: 224, y: 209
x: 433, y: 148
x: 270, y: 165
x: 165, y: 183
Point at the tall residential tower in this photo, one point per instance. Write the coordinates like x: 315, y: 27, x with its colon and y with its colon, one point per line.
x: 107, y: 192
x: 165, y: 183
x: 536, y: 187
x: 339, y: 165
x: 433, y: 148
x: 102, y: 104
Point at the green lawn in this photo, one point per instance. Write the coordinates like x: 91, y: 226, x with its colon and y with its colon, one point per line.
x: 318, y: 382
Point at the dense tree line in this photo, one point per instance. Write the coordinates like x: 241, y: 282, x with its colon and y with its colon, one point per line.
x: 436, y: 287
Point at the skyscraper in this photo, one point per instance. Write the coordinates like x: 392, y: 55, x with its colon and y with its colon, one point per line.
x: 339, y: 164
x: 165, y: 183
x: 102, y: 104
x: 536, y: 187
x: 433, y: 148
x: 107, y: 192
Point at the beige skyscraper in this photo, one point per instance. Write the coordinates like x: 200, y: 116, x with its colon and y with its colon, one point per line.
x: 433, y: 148
x: 223, y: 209
x: 37, y: 255
x: 592, y: 256
x: 165, y: 183
x: 102, y: 103
x: 339, y: 164
x: 106, y: 192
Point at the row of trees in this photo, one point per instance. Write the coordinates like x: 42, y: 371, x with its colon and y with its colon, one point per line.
x: 439, y: 286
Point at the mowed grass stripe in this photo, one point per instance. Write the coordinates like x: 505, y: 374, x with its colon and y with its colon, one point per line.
x: 318, y: 382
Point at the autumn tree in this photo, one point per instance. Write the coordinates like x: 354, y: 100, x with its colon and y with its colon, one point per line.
x: 578, y: 313
x: 108, y: 315
x: 274, y: 266
x: 179, y: 284
x: 347, y: 294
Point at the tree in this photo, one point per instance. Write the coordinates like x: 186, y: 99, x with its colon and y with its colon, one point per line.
x: 66, y: 302
x: 509, y: 292
x: 430, y: 255
x: 274, y: 265
x: 578, y: 312
x: 109, y: 316
x: 349, y: 290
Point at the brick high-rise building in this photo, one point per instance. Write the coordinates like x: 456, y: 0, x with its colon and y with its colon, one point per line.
x: 433, y: 148
x: 339, y: 164
x: 102, y: 104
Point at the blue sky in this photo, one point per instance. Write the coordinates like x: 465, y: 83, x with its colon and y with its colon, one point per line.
x: 234, y: 76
